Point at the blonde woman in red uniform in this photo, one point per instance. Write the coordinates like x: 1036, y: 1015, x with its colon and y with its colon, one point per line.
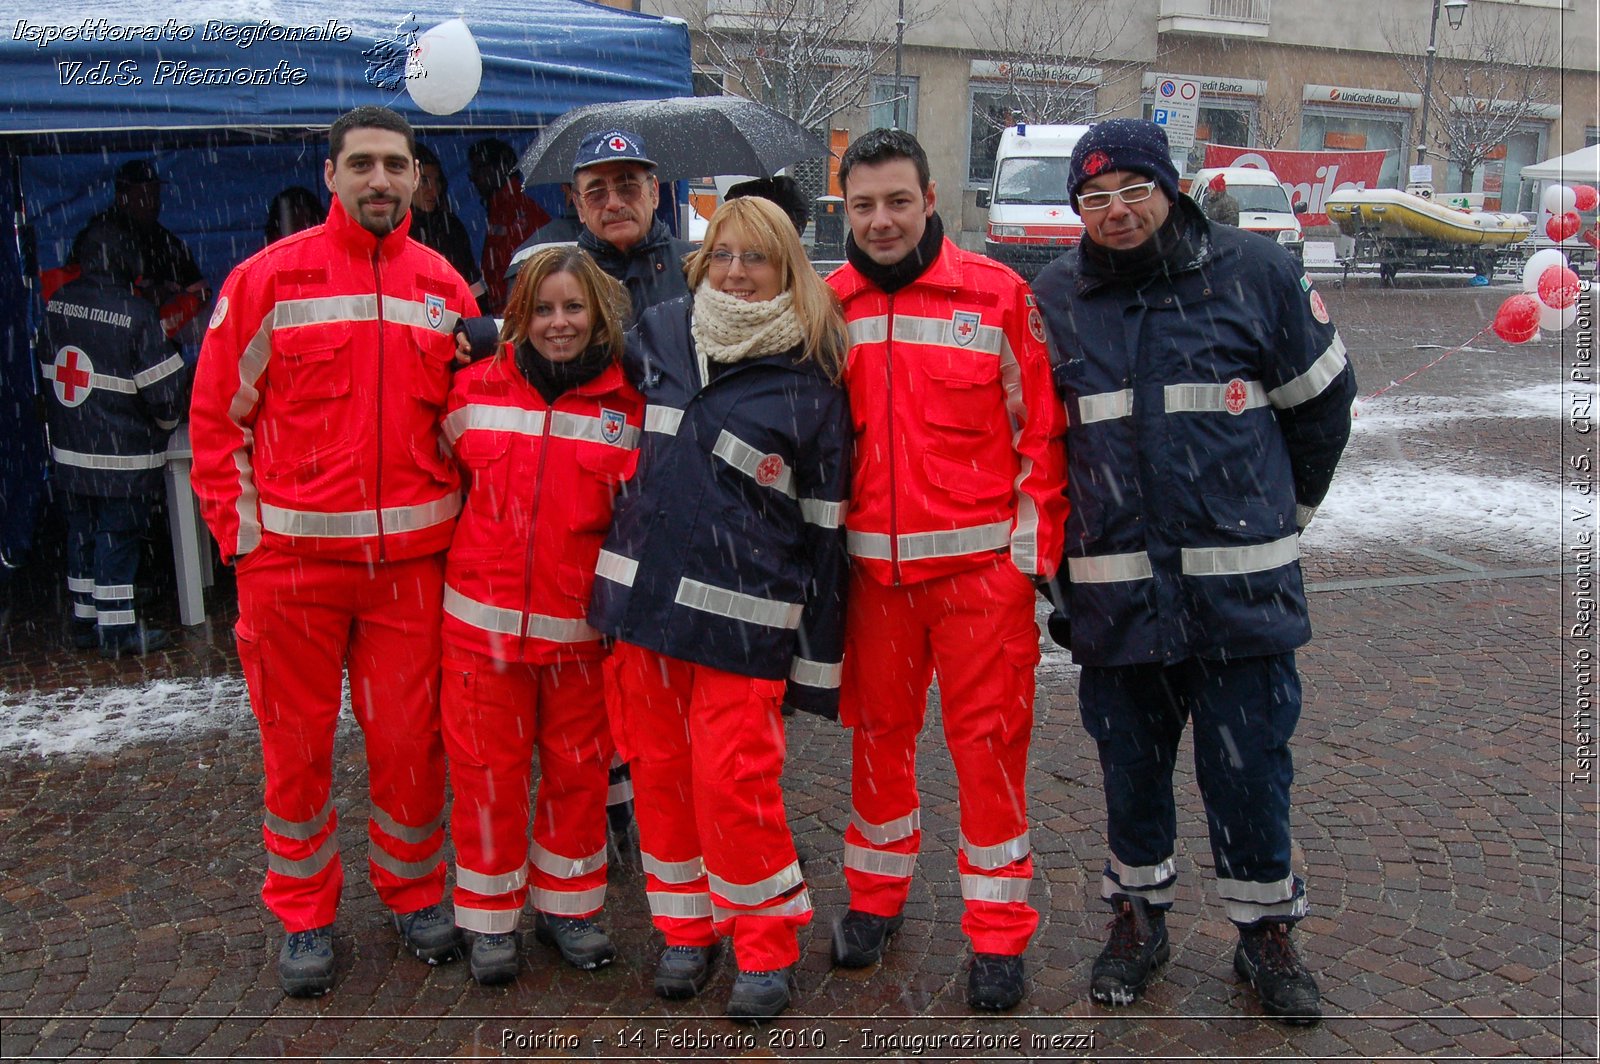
x: 545, y: 432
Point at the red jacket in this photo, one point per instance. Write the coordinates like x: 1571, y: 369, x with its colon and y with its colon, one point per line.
x: 541, y: 479
x: 512, y: 218
x: 317, y: 399
x: 958, y: 451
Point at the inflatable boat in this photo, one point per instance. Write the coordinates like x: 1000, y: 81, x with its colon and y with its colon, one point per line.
x: 1390, y: 214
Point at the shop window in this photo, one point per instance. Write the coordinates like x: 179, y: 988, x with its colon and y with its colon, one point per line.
x: 881, y: 113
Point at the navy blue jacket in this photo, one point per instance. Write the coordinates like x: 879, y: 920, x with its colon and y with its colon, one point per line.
x: 116, y: 389
x: 651, y: 270
x: 1207, y: 409
x: 727, y: 547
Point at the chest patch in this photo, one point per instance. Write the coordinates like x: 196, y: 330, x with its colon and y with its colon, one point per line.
x: 1235, y: 396
x: 964, y: 324
x: 433, y: 309
x: 611, y: 425
x: 768, y: 470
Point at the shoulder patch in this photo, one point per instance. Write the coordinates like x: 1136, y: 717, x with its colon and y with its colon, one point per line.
x: 220, y: 313
x: 1319, y: 309
x: 1029, y: 300
x: 1036, y: 325
x: 1305, y: 283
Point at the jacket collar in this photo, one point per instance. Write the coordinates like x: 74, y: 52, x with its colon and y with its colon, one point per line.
x: 348, y: 232
x: 1207, y: 252
x: 945, y: 274
x: 605, y: 250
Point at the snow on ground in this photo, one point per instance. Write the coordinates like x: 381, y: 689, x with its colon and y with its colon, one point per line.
x: 102, y: 719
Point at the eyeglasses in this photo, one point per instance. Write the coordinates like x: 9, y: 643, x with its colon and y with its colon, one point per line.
x: 597, y: 196
x: 1099, y: 201
x: 751, y: 259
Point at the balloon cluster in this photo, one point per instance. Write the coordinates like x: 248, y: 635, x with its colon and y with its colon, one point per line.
x: 1548, y: 300
x: 1562, y: 205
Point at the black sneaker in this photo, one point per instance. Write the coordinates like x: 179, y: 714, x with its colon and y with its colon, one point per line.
x: 305, y: 963
x: 133, y: 641
x: 581, y: 941
x: 758, y: 997
x: 429, y: 933
x: 683, y: 971
x: 1266, y: 959
x: 494, y: 959
x: 860, y: 938
x: 1138, y: 946
x: 994, y: 982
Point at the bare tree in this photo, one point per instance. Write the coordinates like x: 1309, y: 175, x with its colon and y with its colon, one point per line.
x: 1498, y: 72
x: 1276, y: 115
x: 809, y: 59
x: 1044, y: 51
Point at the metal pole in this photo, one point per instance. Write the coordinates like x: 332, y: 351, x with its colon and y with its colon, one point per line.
x: 899, y: 48
x: 1427, y: 83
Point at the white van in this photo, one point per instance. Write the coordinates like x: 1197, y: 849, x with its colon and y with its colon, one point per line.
x: 1030, y: 221
x: 1264, y: 206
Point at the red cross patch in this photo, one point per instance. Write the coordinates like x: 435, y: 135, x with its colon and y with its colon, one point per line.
x: 1096, y: 162
x: 768, y: 470
x: 964, y: 324
x: 1235, y: 396
x: 73, y: 375
x: 617, y: 144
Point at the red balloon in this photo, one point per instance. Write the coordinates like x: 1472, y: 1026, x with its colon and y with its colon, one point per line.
x: 1558, y: 287
x: 1517, y: 320
x: 1591, y: 236
x: 1588, y: 196
x: 1561, y: 226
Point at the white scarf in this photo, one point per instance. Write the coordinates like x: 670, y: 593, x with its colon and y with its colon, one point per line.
x: 728, y: 329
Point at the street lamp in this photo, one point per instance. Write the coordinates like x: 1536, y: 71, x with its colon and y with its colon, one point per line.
x: 1454, y: 11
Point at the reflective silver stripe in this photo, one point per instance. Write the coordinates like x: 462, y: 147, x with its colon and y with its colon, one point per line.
x: 568, y: 902
x: 107, y: 382
x: 662, y: 419
x: 582, y: 427
x: 415, y: 836
x: 84, y: 611
x: 746, y: 459
x: 737, y: 605
x: 941, y: 332
x: 80, y: 583
x: 1258, y: 893
x: 892, y: 831
x: 355, y: 524
x: 79, y: 460
x: 879, y: 862
x: 1110, y: 568
x: 1145, y: 875
x: 160, y: 371
x: 618, y: 793
x: 291, y: 313
x: 308, y: 867
x: 108, y: 618
x: 1232, y: 561
x: 404, y: 869
x: 1105, y: 406
x: 674, y: 872
x: 113, y: 591
x: 484, y: 883
x: 487, y: 618
x: 776, y: 885
x: 252, y: 366
x: 488, y: 921
x: 867, y: 545
x: 616, y: 568
x: 1303, y: 515
x: 999, y: 855
x: 822, y: 512
x: 954, y: 542
x: 298, y: 829
x: 1154, y: 895
x: 1210, y: 398
x: 492, y: 418
x: 795, y: 906
x: 816, y: 673
x: 1310, y: 384
x: 1249, y: 912
x: 413, y: 313
x: 553, y: 864
x: 1006, y: 890
x: 873, y: 330
x: 1025, y: 535
x: 682, y: 906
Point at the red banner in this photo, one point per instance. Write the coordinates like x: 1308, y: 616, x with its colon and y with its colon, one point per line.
x: 1309, y: 177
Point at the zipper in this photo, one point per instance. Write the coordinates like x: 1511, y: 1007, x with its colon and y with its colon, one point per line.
x: 533, y: 523
x: 894, y: 518
x: 377, y: 277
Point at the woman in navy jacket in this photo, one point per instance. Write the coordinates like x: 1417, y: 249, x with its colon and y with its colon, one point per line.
x: 723, y: 583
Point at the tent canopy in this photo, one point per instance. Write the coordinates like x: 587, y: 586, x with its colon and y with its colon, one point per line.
x: 1582, y: 166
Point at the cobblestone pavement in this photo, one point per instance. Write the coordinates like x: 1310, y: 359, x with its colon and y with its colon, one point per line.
x: 1450, y: 858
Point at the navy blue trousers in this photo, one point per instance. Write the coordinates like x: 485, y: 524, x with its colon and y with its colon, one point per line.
x: 103, y: 544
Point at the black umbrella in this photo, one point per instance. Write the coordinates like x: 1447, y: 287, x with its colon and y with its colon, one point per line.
x: 687, y: 136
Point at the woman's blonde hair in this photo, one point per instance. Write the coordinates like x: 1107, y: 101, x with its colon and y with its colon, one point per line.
x: 609, y: 308
x: 760, y: 225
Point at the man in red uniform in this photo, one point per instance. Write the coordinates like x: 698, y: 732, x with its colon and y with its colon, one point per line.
x: 317, y: 460
x: 512, y: 216
x: 956, y: 507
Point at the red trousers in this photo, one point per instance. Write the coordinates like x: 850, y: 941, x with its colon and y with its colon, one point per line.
x: 496, y: 714
x: 976, y: 631
x: 707, y: 749
x: 302, y: 622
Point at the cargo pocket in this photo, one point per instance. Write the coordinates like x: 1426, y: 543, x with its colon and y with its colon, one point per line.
x: 961, y: 393
x: 255, y: 680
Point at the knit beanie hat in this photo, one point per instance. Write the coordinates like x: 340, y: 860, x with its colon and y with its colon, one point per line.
x: 1123, y: 144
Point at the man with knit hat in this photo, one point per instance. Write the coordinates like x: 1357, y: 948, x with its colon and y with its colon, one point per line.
x: 956, y: 507
x: 1208, y: 400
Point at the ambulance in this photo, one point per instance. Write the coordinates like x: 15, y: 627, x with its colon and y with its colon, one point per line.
x: 1030, y: 220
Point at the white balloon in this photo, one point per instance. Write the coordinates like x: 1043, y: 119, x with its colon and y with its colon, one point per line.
x: 445, y: 68
x: 1553, y: 320
x: 1559, y: 199
x: 1537, y: 263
